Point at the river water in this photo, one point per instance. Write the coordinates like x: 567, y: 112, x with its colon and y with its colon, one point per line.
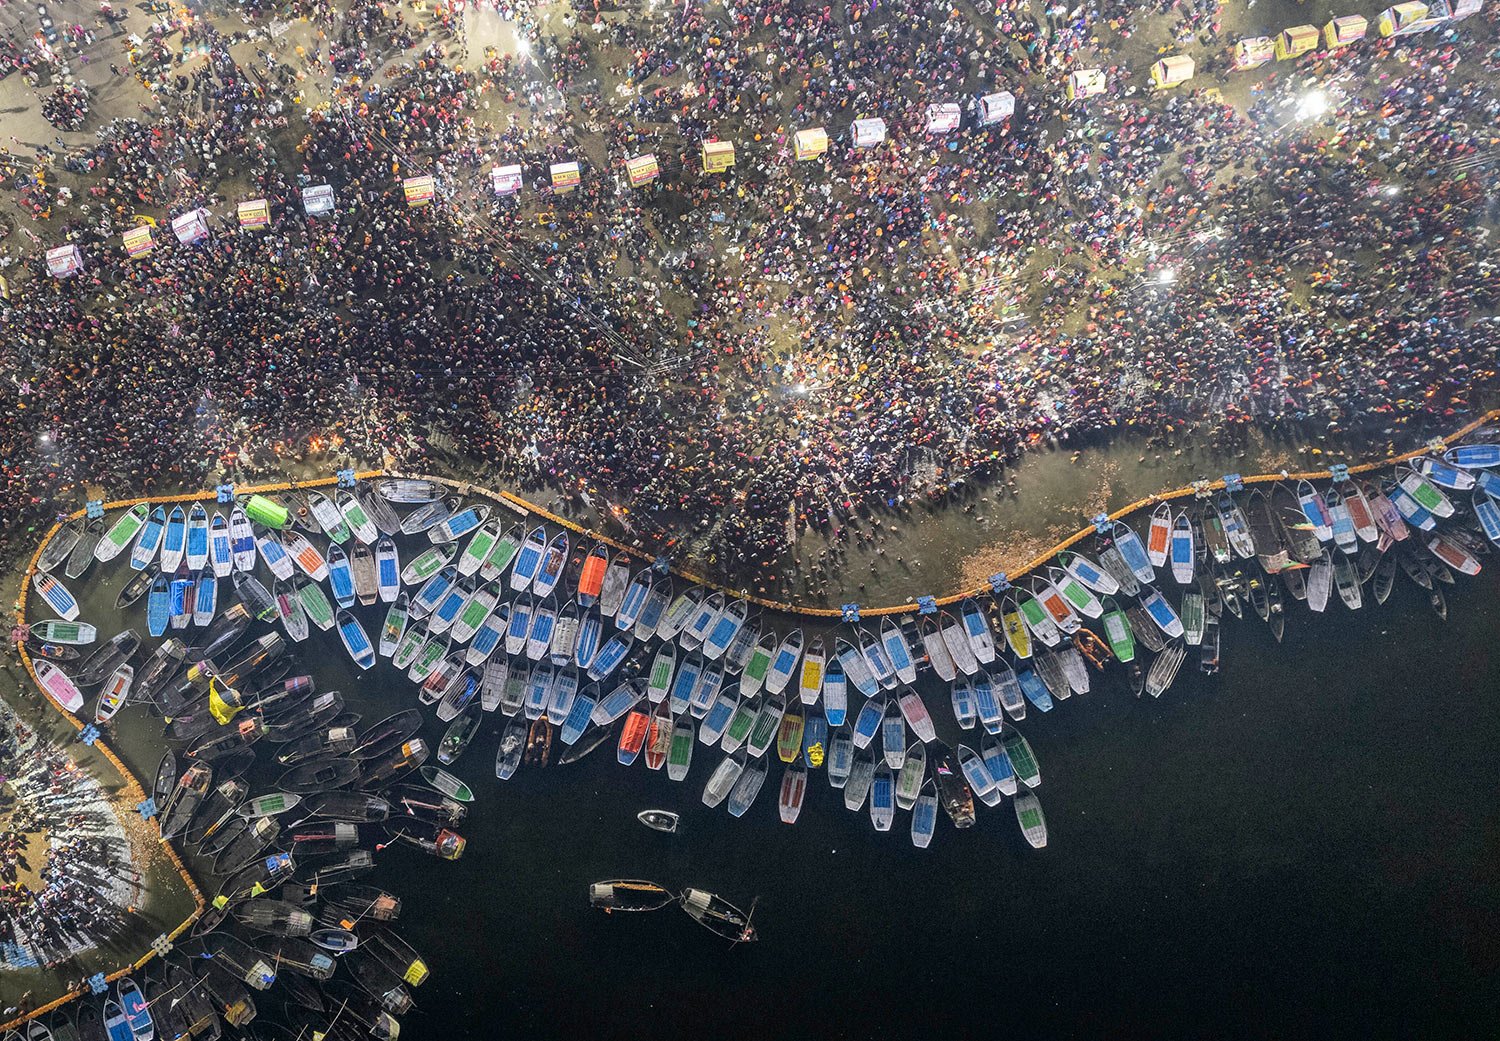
x: 1306, y: 844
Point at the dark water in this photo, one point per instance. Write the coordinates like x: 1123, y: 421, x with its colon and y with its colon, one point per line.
x: 1308, y: 844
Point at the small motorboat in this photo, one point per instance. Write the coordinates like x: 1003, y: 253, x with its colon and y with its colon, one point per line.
x: 659, y: 820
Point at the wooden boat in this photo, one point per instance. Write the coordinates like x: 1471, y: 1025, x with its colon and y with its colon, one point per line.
x: 362, y: 572
x: 580, y: 714
x: 1158, y: 535
x: 356, y: 641
x: 1474, y: 456
x: 1080, y: 598
x: 783, y: 665
x: 1128, y: 544
x: 1445, y: 475
x: 629, y: 894
x: 789, y: 733
x: 961, y: 697
x: 1453, y: 555
x: 873, y: 652
x: 174, y: 541
x: 835, y: 692
x: 1424, y: 491
x: 716, y: 914
x: 512, y: 747
x: 1059, y: 610
x: 639, y: 593
x: 196, y: 547
x: 1118, y: 632
x: 1236, y: 526
x: 1341, y: 522
x: 882, y: 798
x: 1181, y: 550
x: 726, y: 626
x: 939, y: 657
x: 549, y: 570
x: 810, y: 682
x: 149, y: 541
x: 1347, y: 581
x: 893, y: 734
x: 432, y: 592
x: 766, y: 725
x: 429, y: 515
x: 60, y: 545
x: 205, y: 598
x: 1113, y: 563
x: 56, y: 595
x: 793, y: 791
x: 58, y: 685
x: 1161, y: 613
x: 73, y: 634
x: 120, y: 534
x: 1017, y: 634
x: 1086, y: 572
x: 591, y: 576
x: 659, y: 736
x: 924, y: 816
x: 679, y: 748
x: 407, y: 490
x: 1029, y: 816
x: 501, y: 554
x: 1315, y: 510
x: 955, y: 638
x: 528, y: 560
x: 80, y: 546
x: 655, y: 606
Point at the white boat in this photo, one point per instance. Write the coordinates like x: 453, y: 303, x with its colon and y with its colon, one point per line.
x: 913, y: 772
x: 1158, y: 536
x: 938, y: 655
x: 241, y: 540
x: 784, y: 663
x: 916, y: 714
x: 360, y: 523
x: 57, y: 596
x: 115, y: 693
x: 121, y: 533
x: 1029, y: 816
x: 897, y: 650
x: 793, y: 790
x: 58, y: 685
x: 924, y: 816
x: 977, y: 629
x: 725, y: 628
x: 1182, y: 549
x: 528, y: 560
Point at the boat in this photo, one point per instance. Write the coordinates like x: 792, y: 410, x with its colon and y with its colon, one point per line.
x: 591, y: 576
x: 1453, y: 555
x: 679, y: 748
x: 1158, y: 535
x: 793, y: 791
x: 120, y: 534
x: 835, y: 692
x: 961, y: 695
x: 1085, y: 571
x: 1214, y: 540
x: 58, y: 685
x: 1128, y: 544
x: 528, y: 559
x: 70, y: 633
x: 1315, y: 510
x: 658, y: 736
x: 1445, y: 475
x: 1193, y: 616
x: 1160, y: 612
x: 659, y: 820
x: 882, y: 798
x: 766, y: 725
x: 1473, y: 456
x: 861, y: 778
x: 724, y: 779
x: 512, y: 747
x: 789, y: 733
x: 719, y: 916
x: 1164, y: 669
x: 456, y: 738
x: 1423, y: 493
x: 430, y: 515
x: 1013, y: 623
x: 612, y: 592
x: 720, y: 635
x: 1117, y: 631
x: 810, y: 683
x: 550, y: 568
x: 58, y: 598
x: 1236, y: 526
x: 1264, y: 533
x: 747, y: 786
x: 629, y: 894
x: 924, y: 816
x: 783, y: 664
x: 174, y: 541
x: 1346, y: 579
x: 114, y: 694
x: 362, y: 571
x: 1029, y: 816
x: 445, y: 783
x: 893, y: 735
x: 408, y: 491
x: 501, y: 554
x: 578, y: 718
x: 149, y: 540
x: 356, y: 641
x: 1182, y: 549
x: 1341, y: 521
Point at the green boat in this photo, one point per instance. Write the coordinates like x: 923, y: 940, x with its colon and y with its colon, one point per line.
x: 760, y: 661
x: 740, y: 724
x: 1033, y: 611
x: 72, y: 633
x: 315, y: 602
x: 121, y: 534
x: 1117, y: 631
x: 501, y: 554
x: 426, y: 564
x: 431, y: 654
x: 1029, y: 816
x: 1022, y: 761
x: 477, y: 551
x: 1192, y: 617
x: 680, y: 753
x: 443, y: 781
x: 411, y: 642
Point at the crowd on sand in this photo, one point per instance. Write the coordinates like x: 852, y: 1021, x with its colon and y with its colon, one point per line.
x: 735, y: 358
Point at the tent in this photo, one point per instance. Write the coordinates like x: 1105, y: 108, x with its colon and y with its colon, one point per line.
x: 255, y: 213
x: 1252, y: 52
x: 191, y: 227
x: 1401, y: 19
x: 64, y: 261
x: 943, y: 117
x: 137, y: 241
x: 643, y: 169
x: 1297, y: 40
x: 1085, y: 83
x: 718, y: 156
x: 996, y: 107
x: 1171, y: 72
x: 1464, y: 8
x: 810, y: 143
x: 420, y: 190
x: 1344, y: 30
x: 506, y: 180
x: 565, y: 177
x: 317, y: 199
x: 867, y: 133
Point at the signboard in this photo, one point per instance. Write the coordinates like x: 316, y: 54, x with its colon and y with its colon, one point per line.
x: 643, y: 169
x: 506, y: 180
x: 317, y: 200
x: 867, y: 133
x: 64, y: 261
x: 254, y: 213
x: 138, y: 241
x: 191, y: 227
x: 718, y: 156
x: 420, y: 190
x: 565, y: 177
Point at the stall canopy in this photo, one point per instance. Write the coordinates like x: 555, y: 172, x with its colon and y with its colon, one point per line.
x: 718, y: 156
x: 255, y: 213
x: 1399, y: 19
x: 191, y: 227
x: 1170, y: 72
x: 317, y: 199
x: 137, y: 241
x: 420, y: 190
x: 942, y: 117
x: 995, y: 107
x: 1464, y: 8
x: 565, y: 177
x: 506, y: 180
x: 64, y: 261
x: 1344, y: 30
x: 867, y: 133
x: 1085, y: 83
x: 1253, y: 52
x: 1299, y: 39
x: 810, y: 143
x: 643, y: 169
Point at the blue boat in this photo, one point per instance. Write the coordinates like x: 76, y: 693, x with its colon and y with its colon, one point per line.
x: 840, y: 756
x: 1488, y: 512
x: 1489, y: 483
x: 681, y: 691
x: 867, y: 723
x: 63, y: 603
x: 179, y: 602
x: 1413, y: 512
x: 340, y: 578
x: 149, y: 540
x: 985, y: 705
x: 610, y: 656
x: 1035, y: 690
x: 882, y: 799
x: 451, y: 603
x: 356, y: 640
x: 174, y: 541
x: 562, y: 695
x: 1474, y: 456
x: 554, y: 559
x: 1161, y: 612
x: 205, y: 599
x: 590, y: 629
x: 137, y: 1012
x: 539, y: 690
x: 1007, y: 691
x: 636, y: 595
x: 814, y: 740
x: 528, y: 559
x: 579, y: 715
x: 719, y: 714
x: 1446, y: 476
x: 618, y: 702
x: 924, y: 816
x: 520, y: 626
x: 997, y: 762
x: 116, y: 1026
x: 835, y: 693
x: 1132, y: 552
x: 488, y: 637
x: 539, y: 637
x: 275, y: 555
x: 706, y: 689
x: 656, y: 603
x: 432, y: 592
x: 197, y: 538
x: 965, y: 708
x: 158, y: 605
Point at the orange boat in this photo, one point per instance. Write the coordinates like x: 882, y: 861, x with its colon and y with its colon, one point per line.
x: 591, y: 579
x: 539, y: 742
x: 632, y: 737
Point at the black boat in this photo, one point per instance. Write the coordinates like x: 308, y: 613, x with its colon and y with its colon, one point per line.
x: 320, y: 775
x: 354, y: 807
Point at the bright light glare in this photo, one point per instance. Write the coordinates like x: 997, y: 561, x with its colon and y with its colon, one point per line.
x: 1166, y: 276
x: 802, y: 388
x: 523, y: 45
x: 1392, y: 189
x: 1312, y: 105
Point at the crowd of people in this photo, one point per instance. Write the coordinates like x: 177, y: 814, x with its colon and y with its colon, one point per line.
x: 72, y: 895
x: 729, y: 360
